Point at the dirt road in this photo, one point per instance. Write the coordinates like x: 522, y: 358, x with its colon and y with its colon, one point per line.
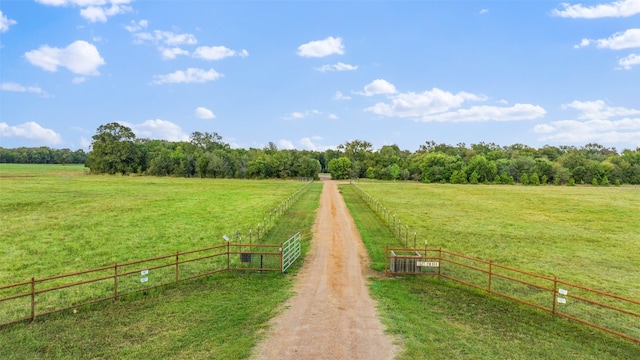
x: 332, y: 315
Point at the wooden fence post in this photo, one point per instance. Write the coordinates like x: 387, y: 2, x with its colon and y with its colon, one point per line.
x: 555, y: 292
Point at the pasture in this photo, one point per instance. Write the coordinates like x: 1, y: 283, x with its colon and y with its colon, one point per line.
x: 56, y: 219
x: 585, y: 235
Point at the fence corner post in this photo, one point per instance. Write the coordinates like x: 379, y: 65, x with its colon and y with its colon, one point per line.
x: 281, y: 262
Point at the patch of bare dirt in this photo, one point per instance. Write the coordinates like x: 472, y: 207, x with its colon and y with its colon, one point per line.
x: 332, y: 315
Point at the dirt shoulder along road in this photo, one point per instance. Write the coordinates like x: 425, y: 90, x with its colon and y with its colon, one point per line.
x: 332, y: 315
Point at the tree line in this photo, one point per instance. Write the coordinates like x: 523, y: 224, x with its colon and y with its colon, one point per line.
x: 41, y: 155
x: 116, y: 150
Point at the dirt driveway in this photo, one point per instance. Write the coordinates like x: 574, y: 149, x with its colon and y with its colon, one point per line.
x: 332, y: 315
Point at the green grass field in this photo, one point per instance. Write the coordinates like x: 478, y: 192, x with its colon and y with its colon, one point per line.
x: 586, y: 235
x: 437, y: 319
x: 216, y: 317
x: 56, y: 219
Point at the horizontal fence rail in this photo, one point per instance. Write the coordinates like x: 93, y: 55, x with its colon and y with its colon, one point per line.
x: 608, y: 312
x: 27, y: 300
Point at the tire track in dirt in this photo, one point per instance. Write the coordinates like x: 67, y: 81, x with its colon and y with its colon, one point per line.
x: 332, y: 315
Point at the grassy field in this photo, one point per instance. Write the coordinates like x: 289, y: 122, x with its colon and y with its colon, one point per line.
x: 217, y: 317
x: 56, y: 219
x: 436, y: 319
x: 585, y: 235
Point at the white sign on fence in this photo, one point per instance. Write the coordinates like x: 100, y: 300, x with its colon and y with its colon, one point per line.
x: 428, y: 263
x: 144, y: 272
x: 144, y: 279
x: 562, y: 292
x: 562, y: 300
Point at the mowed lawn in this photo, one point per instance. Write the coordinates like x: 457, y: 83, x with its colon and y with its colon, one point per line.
x: 57, y: 219
x: 584, y: 234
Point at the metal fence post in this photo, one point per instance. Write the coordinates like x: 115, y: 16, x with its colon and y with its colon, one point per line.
x: 555, y: 292
x: 177, y: 267
x: 490, y: 269
x: 115, y: 281
x: 33, y: 298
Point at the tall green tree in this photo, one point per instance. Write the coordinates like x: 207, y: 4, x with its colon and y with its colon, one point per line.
x: 113, y: 150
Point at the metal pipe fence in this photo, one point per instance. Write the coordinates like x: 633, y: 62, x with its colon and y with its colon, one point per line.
x: 27, y: 300
x: 608, y: 312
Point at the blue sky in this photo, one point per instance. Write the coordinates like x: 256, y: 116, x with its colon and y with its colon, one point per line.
x: 315, y: 74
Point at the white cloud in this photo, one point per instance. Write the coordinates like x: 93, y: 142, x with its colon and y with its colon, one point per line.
x: 333, y: 117
x: 596, y: 122
x: 204, y: 113
x: 165, y: 37
x: 171, y: 53
x: 158, y: 129
x: 137, y: 26
x: 378, y: 87
x: 418, y: 105
x: 217, y: 53
x: 618, y: 41
x: 629, y: 61
x: 301, y: 115
x: 5, y: 22
x: 191, y: 75
x: 9, y: 86
x: 489, y: 113
x: 621, y: 8
x: 78, y: 80
x: 286, y: 144
x: 598, y: 109
x: 80, y: 57
x: 340, y: 96
x: 322, y: 48
x: 337, y: 67
x: 31, y: 131
x: 310, y: 143
x: 483, y: 11
x: 94, y: 10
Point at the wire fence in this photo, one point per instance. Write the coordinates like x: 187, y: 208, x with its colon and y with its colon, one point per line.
x: 605, y: 311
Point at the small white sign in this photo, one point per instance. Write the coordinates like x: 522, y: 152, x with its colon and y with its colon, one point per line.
x: 428, y: 263
x: 144, y: 272
x: 562, y: 300
x: 144, y: 279
x: 562, y: 292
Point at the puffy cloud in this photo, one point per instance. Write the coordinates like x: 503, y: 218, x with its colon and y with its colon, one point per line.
x: 333, y: 117
x: 5, y: 22
x: 301, y: 115
x: 621, y: 8
x: 191, y: 75
x: 217, y: 53
x: 340, y: 96
x: 134, y: 27
x: 418, y: 105
x: 94, y: 10
x: 337, y: 67
x: 378, y: 87
x: 598, y: 109
x: 204, y: 113
x: 310, y: 143
x: 631, y: 60
x: 172, y: 53
x: 489, y: 113
x: 618, y: 41
x: 286, y: 144
x: 322, y: 48
x: 32, y: 131
x: 596, y: 122
x: 483, y: 11
x: 80, y: 57
x: 9, y: 86
x: 158, y: 129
